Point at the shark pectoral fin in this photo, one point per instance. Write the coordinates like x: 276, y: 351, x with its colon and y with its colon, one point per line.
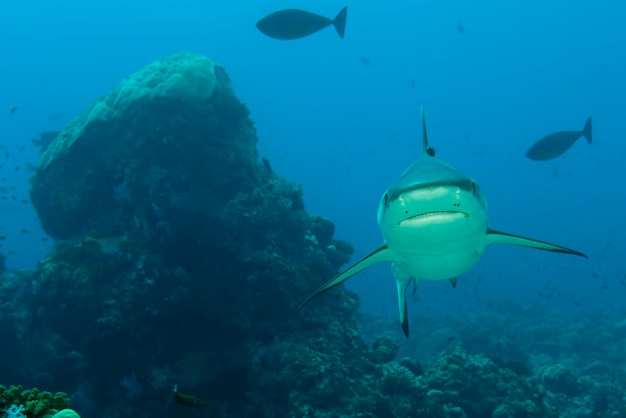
x: 379, y: 255
x: 453, y: 282
x: 497, y: 237
x: 403, y: 280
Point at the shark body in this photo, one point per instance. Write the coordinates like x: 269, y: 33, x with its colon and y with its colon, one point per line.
x: 434, y: 223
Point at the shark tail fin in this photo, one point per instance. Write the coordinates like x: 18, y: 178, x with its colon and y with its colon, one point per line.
x: 378, y: 256
x: 496, y: 237
x: 339, y: 22
x: 587, y: 130
x: 426, y: 149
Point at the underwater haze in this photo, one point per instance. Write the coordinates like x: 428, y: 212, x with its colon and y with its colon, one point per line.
x: 341, y: 117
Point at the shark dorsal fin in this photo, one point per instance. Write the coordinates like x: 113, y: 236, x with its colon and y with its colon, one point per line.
x: 426, y: 150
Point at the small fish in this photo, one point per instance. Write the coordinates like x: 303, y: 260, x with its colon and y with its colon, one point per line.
x: 187, y: 400
x: 6, y: 154
x: 553, y: 145
x: 294, y: 24
x: 13, y: 110
x: 45, y: 139
x: 16, y: 169
x: 24, y: 231
x: 22, y: 148
x: 266, y: 164
x: 460, y: 28
x: 366, y: 61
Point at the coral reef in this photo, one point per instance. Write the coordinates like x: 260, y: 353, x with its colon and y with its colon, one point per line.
x: 512, y: 362
x: 152, y: 147
x: 17, y: 402
x: 178, y: 253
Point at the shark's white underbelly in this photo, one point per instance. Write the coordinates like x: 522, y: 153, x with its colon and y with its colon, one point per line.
x: 437, y: 252
x: 442, y: 266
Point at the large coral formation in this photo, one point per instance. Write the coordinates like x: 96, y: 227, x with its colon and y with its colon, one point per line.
x: 171, y: 139
x: 179, y: 254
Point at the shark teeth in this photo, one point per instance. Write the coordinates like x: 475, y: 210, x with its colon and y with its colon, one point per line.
x: 434, y: 217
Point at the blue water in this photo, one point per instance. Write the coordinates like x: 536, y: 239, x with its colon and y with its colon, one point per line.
x: 345, y: 130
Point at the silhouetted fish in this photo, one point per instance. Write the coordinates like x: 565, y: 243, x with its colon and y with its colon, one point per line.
x: 553, y: 145
x: 45, y: 139
x: 294, y: 23
x: 266, y: 164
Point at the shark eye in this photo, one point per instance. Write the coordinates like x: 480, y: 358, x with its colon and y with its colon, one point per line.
x: 386, y: 199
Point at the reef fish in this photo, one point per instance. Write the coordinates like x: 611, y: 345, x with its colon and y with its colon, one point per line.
x: 434, y: 223
x: 553, y: 145
x: 190, y: 401
x: 45, y: 139
x: 294, y: 24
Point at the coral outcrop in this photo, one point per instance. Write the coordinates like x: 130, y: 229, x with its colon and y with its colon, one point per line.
x: 179, y: 255
x: 17, y: 402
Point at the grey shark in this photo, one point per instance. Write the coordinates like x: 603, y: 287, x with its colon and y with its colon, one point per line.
x: 435, y: 227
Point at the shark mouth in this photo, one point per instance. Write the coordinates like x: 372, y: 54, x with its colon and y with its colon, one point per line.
x: 434, y: 217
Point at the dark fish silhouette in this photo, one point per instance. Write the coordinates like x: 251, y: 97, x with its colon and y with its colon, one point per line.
x: 366, y: 61
x: 13, y: 110
x: 553, y: 145
x: 294, y: 23
x: 188, y: 400
x: 45, y: 139
x: 266, y: 164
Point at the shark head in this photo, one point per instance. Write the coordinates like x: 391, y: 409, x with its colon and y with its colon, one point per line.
x: 434, y: 223
x: 445, y: 211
